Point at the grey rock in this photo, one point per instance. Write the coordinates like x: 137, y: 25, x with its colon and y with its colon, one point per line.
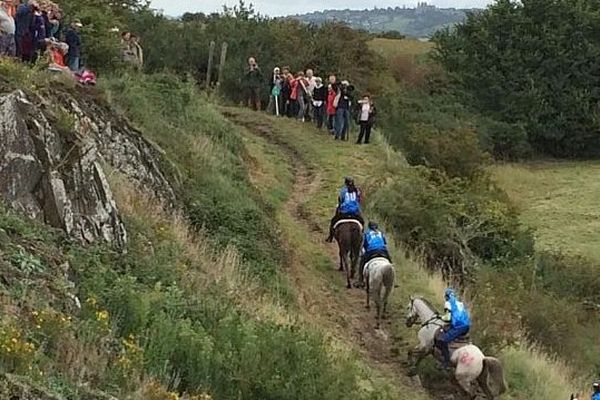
x: 53, y: 155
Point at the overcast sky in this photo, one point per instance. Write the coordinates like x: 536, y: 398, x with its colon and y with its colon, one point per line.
x: 286, y: 7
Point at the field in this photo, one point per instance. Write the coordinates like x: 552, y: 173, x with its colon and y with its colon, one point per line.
x: 558, y: 200
x: 389, y: 48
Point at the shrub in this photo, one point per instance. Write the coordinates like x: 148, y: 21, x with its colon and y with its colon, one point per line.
x: 453, y: 222
x: 454, y: 151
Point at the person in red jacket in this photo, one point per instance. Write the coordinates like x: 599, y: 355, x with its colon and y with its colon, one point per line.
x: 331, y: 93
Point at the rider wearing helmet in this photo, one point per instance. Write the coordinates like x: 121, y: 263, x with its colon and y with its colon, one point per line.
x: 596, y: 394
x: 348, y: 207
x: 459, y: 323
x: 374, y: 244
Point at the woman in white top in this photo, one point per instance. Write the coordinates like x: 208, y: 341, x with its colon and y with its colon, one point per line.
x: 366, y: 118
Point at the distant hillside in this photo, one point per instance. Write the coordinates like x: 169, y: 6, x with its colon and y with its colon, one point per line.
x: 422, y: 21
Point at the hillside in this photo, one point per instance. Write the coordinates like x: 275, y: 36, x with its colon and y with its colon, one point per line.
x: 419, y: 22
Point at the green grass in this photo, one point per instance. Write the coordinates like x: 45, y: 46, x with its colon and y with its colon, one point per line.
x: 559, y: 200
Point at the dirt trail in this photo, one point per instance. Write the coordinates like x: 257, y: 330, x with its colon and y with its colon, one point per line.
x: 345, y: 310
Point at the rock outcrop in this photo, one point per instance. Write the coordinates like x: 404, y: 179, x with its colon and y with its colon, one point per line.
x: 54, y: 157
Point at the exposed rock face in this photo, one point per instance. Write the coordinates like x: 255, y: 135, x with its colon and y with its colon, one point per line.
x: 53, y: 155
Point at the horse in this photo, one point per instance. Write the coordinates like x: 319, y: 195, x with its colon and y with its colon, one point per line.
x: 471, y: 364
x: 379, y: 275
x: 348, y: 235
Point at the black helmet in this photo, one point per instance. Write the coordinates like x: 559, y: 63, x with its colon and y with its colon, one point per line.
x: 373, y: 225
x: 349, y: 180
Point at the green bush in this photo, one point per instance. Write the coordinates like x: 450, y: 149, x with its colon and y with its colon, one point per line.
x: 531, y: 64
x: 454, y: 151
x: 455, y: 223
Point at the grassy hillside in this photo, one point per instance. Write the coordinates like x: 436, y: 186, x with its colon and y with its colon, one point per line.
x: 559, y: 200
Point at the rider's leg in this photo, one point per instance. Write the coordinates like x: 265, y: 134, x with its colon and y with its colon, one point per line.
x: 335, y: 219
x: 450, y: 335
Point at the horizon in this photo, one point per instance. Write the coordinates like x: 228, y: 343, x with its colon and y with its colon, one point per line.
x: 272, y: 8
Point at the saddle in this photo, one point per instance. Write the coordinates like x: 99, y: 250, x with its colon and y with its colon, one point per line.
x: 347, y: 220
x: 457, y: 343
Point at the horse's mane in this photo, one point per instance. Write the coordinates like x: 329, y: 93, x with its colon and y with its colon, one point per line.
x: 427, y: 303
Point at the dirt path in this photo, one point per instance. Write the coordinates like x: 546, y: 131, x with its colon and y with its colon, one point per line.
x: 344, y: 312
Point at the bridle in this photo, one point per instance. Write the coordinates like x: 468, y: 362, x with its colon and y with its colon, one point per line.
x: 430, y: 321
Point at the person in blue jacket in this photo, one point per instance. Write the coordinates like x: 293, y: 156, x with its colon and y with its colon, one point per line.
x: 349, y: 201
x: 374, y: 244
x: 596, y: 388
x: 459, y: 323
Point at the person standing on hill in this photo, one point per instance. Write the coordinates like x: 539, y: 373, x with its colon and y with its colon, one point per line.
x: 253, y: 79
x: 311, y: 83
x: 331, y: 95
x: 7, y: 32
x: 23, y: 21
x: 73, y: 39
x: 318, y: 102
x: 366, y: 118
x: 275, y: 85
x: 342, y: 117
x: 300, y: 95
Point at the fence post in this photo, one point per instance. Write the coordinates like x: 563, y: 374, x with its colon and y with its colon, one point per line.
x: 211, y: 56
x: 222, y: 64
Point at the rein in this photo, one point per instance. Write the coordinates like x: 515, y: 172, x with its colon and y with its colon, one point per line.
x: 430, y: 322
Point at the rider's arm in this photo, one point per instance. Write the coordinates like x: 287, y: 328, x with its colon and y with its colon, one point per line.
x: 447, y: 317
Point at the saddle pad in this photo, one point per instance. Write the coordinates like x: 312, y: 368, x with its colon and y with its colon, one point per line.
x: 376, y: 259
x: 345, y: 221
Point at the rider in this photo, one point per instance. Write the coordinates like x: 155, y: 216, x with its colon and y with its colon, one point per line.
x: 348, y: 207
x: 459, y: 323
x: 374, y: 244
x: 596, y: 394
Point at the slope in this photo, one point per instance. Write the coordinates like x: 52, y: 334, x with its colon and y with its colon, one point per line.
x: 317, y: 164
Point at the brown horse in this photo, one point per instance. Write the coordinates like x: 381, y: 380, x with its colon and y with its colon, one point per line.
x: 348, y: 234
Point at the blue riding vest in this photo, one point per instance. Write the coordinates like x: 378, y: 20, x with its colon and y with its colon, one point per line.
x: 596, y: 396
x: 374, y: 240
x: 460, y: 315
x: 349, y: 202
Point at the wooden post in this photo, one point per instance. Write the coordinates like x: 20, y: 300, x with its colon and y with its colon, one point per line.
x: 222, y: 63
x: 211, y: 56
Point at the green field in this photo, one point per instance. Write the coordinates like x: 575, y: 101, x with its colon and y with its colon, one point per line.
x: 389, y: 48
x: 558, y: 200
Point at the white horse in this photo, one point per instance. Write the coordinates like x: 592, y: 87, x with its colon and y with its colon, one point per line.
x: 379, y: 275
x: 471, y: 365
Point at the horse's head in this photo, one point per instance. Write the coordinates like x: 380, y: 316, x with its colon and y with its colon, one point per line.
x: 411, y: 316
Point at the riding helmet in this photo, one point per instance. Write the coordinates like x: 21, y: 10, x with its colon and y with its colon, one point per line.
x: 349, y: 180
x: 449, y: 292
x: 373, y: 225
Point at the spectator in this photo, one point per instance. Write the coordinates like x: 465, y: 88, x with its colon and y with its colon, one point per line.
x: 55, y: 52
x: 73, y: 40
x: 331, y: 95
x: 138, y: 52
x: 275, y: 83
x: 23, y: 22
x: 54, y: 17
x: 10, y: 7
x: 342, y: 116
x: 286, y: 91
x: 38, y: 32
x: 7, y: 31
x: 127, y: 53
x: 253, y: 80
x: 310, y: 87
x: 301, y: 94
x: 319, y: 99
x: 366, y: 118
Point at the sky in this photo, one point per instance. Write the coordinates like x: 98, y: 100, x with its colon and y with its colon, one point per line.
x: 286, y: 7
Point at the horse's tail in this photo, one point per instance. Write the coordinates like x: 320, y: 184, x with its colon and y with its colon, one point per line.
x: 389, y: 275
x: 492, y: 376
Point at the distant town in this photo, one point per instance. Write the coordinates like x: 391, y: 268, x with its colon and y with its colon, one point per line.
x: 421, y: 21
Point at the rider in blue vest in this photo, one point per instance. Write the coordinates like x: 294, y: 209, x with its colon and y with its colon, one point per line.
x: 596, y: 394
x: 349, y: 201
x: 374, y: 244
x: 458, y: 320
